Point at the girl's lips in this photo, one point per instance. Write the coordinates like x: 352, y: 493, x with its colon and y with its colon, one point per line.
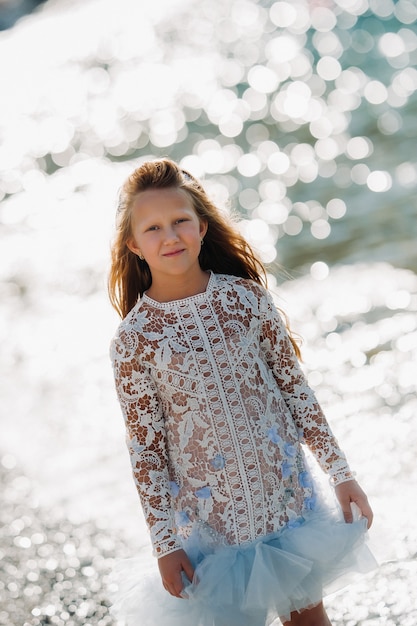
x: 173, y: 253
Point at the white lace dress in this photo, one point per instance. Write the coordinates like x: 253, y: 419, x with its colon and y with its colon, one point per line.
x: 217, y: 410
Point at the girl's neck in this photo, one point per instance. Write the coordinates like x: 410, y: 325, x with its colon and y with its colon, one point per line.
x: 179, y: 288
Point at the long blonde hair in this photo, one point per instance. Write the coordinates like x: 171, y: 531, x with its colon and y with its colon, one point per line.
x: 225, y: 251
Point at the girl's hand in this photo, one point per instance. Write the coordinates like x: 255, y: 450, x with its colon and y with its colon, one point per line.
x: 170, y: 567
x: 348, y: 493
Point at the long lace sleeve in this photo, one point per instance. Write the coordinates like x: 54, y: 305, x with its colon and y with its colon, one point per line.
x: 299, y: 397
x: 146, y: 441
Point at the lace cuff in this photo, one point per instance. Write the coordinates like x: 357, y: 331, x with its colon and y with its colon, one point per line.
x: 160, y: 551
x: 341, y: 476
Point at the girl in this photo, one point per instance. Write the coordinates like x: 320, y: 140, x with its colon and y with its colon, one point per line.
x: 218, y: 414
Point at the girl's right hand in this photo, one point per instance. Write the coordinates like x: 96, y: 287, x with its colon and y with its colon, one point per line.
x: 170, y: 567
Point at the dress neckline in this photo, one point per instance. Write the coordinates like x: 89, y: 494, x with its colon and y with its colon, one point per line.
x: 181, y: 301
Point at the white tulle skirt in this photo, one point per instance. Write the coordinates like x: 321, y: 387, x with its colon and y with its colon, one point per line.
x: 248, y: 585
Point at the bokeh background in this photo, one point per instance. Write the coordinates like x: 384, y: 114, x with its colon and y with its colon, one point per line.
x: 298, y: 116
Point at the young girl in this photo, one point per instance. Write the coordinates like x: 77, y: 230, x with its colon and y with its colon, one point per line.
x: 218, y: 412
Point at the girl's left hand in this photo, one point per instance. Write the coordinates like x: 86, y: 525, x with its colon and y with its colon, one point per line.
x: 348, y: 493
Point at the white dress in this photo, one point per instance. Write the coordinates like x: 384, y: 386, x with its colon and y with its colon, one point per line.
x: 217, y: 412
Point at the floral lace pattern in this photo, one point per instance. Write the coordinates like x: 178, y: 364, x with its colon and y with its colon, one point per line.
x: 216, y: 408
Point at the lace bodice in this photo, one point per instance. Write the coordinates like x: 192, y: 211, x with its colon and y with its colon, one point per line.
x: 217, y: 409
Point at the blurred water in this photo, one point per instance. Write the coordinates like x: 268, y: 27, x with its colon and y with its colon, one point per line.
x: 304, y: 115
x: 301, y: 113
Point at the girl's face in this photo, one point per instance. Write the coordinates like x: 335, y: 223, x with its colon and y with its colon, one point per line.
x: 167, y: 232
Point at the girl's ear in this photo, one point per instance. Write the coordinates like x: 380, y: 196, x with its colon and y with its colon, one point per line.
x: 133, y: 247
x: 203, y: 229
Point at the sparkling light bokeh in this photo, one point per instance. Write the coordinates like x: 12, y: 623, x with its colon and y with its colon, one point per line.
x: 299, y: 116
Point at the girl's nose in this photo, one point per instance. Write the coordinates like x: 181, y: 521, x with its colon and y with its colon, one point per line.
x: 170, y: 235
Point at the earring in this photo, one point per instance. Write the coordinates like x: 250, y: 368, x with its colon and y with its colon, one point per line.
x: 142, y: 258
x: 202, y: 241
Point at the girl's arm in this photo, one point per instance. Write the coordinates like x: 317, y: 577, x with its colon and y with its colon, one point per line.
x: 299, y: 397
x: 146, y: 441
x: 307, y: 413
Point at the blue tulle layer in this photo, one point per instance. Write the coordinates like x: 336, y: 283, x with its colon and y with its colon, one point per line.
x: 249, y: 585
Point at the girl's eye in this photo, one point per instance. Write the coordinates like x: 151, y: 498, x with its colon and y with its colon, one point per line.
x: 182, y: 219
x: 153, y: 228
